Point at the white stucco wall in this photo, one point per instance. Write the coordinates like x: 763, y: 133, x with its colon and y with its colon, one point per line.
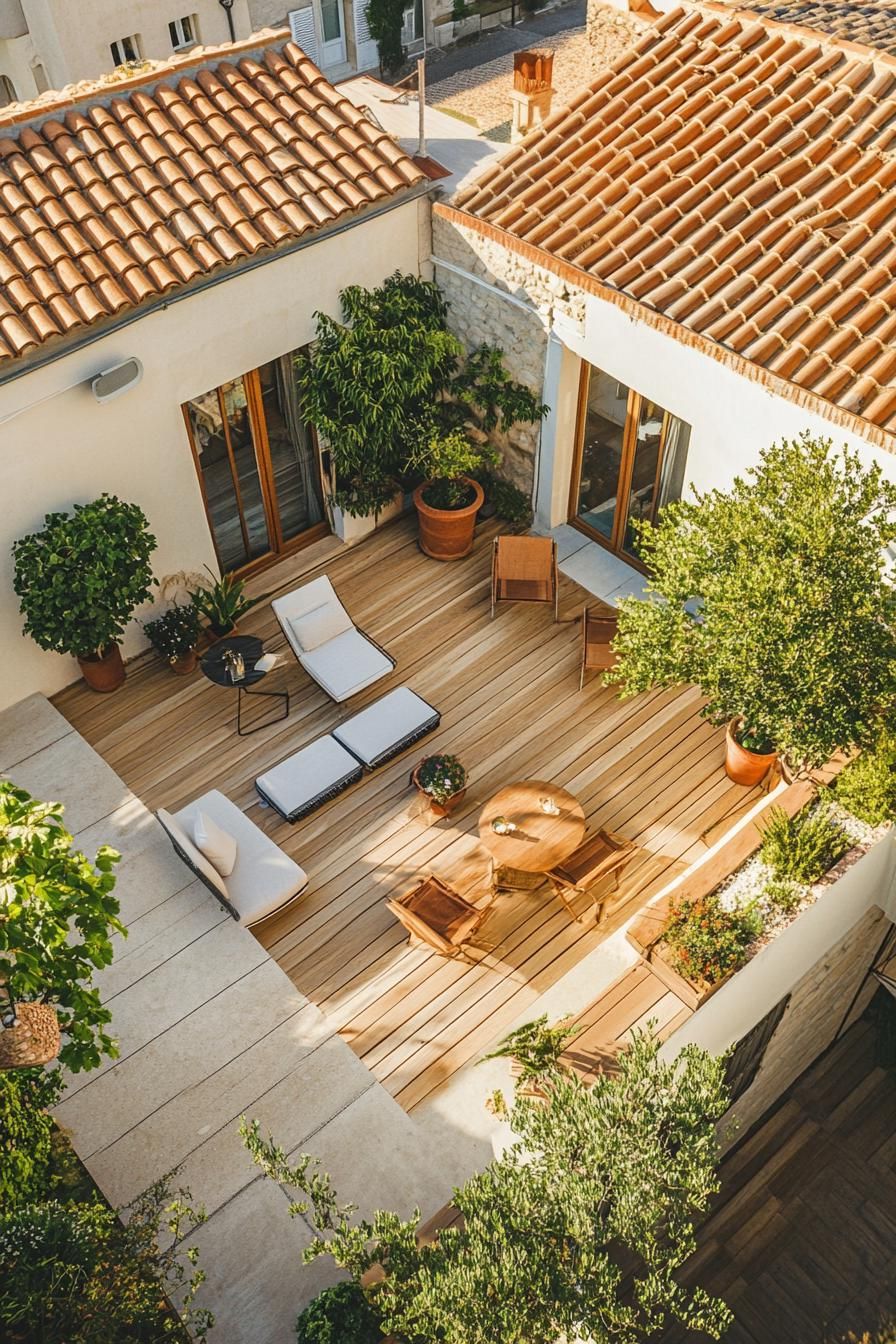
x: 59, y: 447
x: 731, y: 417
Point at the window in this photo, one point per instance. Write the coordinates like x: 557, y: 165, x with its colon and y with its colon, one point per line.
x: 126, y: 49
x: 183, y: 32
x: 631, y: 460
x: 7, y: 90
x: 747, y: 1055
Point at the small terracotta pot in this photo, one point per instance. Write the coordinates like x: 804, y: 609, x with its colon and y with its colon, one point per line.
x: 33, y: 1041
x: 447, y: 534
x: 440, y: 809
x: 184, y: 666
x: 103, y: 674
x: 742, y: 766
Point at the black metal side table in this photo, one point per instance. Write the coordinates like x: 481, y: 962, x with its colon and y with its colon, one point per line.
x: 215, y: 665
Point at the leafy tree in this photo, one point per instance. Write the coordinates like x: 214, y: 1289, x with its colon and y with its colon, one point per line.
x: 339, y: 1315
x: 385, y: 19
x: 26, y: 1133
x: 79, y: 580
x: 867, y: 787
x: 773, y: 600
x: 576, y: 1231
x: 389, y: 378
x: 76, y: 1273
x: 57, y: 913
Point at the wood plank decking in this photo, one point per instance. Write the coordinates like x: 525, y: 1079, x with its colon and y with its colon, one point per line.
x: 507, y: 689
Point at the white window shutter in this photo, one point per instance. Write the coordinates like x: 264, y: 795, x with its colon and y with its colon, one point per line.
x: 366, y: 53
x: 301, y: 27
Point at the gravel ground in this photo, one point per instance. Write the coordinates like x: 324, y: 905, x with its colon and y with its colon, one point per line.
x: 482, y: 91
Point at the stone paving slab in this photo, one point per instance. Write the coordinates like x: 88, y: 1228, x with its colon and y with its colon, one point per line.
x: 28, y: 727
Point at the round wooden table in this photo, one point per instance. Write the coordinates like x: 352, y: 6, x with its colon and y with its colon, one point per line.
x: 541, y: 841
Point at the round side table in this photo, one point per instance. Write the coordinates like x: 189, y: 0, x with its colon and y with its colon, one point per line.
x: 215, y: 666
x: 541, y: 840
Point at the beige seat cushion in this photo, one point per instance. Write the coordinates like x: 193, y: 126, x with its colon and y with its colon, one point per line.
x: 218, y: 845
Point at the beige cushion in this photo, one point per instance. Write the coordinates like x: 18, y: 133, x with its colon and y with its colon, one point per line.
x: 218, y: 845
x: 319, y: 626
x: 194, y: 856
x: 346, y: 664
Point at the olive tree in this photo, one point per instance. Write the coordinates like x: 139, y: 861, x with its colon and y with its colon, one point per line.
x: 57, y: 915
x: 575, y: 1232
x: 772, y: 597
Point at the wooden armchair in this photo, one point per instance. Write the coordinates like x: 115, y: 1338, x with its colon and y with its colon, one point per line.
x: 524, y: 569
x: 599, y: 627
x: 434, y: 914
x: 504, y: 878
x: 599, y: 856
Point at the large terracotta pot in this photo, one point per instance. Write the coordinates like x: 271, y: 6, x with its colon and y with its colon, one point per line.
x: 447, y: 534
x: 742, y: 766
x: 103, y: 674
x: 185, y: 665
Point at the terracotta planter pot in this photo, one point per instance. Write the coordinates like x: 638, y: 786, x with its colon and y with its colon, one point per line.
x: 745, y: 767
x: 184, y: 666
x: 33, y: 1041
x: 439, y: 809
x: 103, y: 674
x: 447, y: 534
x: 212, y: 636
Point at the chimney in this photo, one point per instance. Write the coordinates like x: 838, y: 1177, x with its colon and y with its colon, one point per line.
x: 531, y: 93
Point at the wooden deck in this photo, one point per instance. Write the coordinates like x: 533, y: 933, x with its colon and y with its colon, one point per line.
x: 650, y: 768
x: 802, y: 1242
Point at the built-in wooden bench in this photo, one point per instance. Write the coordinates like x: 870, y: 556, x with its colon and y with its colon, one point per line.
x: 645, y: 931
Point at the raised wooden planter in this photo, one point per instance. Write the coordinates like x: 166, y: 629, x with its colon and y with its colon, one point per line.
x: 691, y: 992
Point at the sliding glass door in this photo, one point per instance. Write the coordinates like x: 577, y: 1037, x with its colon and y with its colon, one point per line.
x: 630, y: 462
x: 257, y: 465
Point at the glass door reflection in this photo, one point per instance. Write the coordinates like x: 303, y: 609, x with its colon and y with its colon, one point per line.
x: 603, y: 444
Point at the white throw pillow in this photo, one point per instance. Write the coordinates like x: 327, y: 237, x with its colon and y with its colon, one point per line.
x: 218, y: 846
x: 319, y: 626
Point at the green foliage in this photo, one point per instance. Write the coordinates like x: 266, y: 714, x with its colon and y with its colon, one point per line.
x: 595, y: 1180
x: 75, y: 1273
x: 511, y: 503
x: 803, y: 847
x: 441, y: 776
x: 783, y: 894
x: 26, y: 1134
x: 223, y: 602
x: 79, y: 580
x: 385, y: 19
x: 389, y: 378
x: 57, y: 913
x: 536, y: 1047
x: 706, y: 942
x: 774, y: 601
x: 446, y: 459
x: 339, y: 1315
x: 867, y: 787
x: 175, y: 632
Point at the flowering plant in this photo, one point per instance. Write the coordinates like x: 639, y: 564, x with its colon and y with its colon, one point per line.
x: 707, y: 941
x: 175, y: 632
x: 441, y: 777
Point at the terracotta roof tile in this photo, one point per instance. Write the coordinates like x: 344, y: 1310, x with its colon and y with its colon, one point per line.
x: 737, y: 178
x: 109, y: 203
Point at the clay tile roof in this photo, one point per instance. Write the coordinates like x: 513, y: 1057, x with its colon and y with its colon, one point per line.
x: 110, y: 200
x: 872, y: 24
x: 733, y: 180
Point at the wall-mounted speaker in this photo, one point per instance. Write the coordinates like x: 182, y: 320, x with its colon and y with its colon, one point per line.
x: 119, y: 378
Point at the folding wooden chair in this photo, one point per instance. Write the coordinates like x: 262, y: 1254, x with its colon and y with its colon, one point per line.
x: 599, y: 627
x: 504, y: 878
x: 524, y: 569
x: 599, y: 856
x: 434, y: 914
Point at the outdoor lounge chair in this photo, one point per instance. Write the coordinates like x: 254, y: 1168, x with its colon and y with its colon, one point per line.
x: 434, y: 914
x: 262, y: 879
x: 599, y: 628
x: 598, y: 856
x: 524, y: 569
x: 326, y: 642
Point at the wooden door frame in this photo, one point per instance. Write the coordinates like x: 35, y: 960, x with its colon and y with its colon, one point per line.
x: 262, y: 449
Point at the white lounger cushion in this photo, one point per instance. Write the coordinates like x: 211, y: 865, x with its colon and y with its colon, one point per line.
x: 194, y: 856
x: 346, y: 664
x: 316, y: 627
x: 218, y: 845
x: 385, y: 727
x: 306, y: 779
x: 302, y: 601
x: 263, y: 878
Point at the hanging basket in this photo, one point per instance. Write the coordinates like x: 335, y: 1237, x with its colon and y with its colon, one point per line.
x: 34, y: 1040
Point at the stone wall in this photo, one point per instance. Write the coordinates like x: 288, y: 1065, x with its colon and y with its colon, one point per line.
x: 271, y: 13
x: 477, y: 314
x: 821, y: 1004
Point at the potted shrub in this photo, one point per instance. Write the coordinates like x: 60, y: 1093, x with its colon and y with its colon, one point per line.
x: 174, y: 636
x: 534, y: 1051
x: 223, y: 602
x: 442, y: 780
x: 79, y: 581
x: 448, y: 500
x: 774, y: 601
